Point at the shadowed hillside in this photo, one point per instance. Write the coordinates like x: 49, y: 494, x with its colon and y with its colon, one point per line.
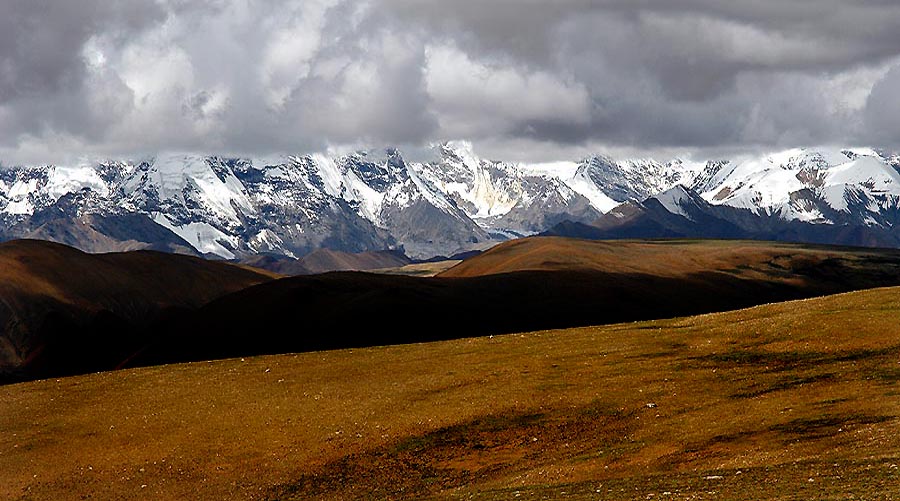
x: 797, y: 400
x: 66, y: 312
x: 523, y: 285
x: 63, y: 311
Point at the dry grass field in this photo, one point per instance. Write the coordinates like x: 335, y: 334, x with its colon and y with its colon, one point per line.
x: 796, y: 400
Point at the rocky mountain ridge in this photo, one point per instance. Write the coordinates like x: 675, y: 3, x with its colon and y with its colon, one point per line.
x: 233, y: 208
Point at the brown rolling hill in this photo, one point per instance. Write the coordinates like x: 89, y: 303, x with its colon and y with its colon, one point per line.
x: 63, y: 311
x: 66, y: 312
x: 662, y: 258
x: 427, y: 269
x: 797, y: 400
x: 325, y: 260
x: 538, y: 283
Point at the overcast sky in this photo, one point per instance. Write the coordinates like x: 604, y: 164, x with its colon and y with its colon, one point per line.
x: 521, y: 79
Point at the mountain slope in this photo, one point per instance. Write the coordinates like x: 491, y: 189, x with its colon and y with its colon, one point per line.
x: 238, y: 207
x: 505, y: 197
x: 749, y: 260
x: 453, y: 202
x: 63, y: 311
x: 774, y: 402
x: 682, y: 213
x: 325, y: 260
x: 821, y: 186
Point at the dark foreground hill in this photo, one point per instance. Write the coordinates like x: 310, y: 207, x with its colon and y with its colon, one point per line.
x: 63, y: 311
x: 786, y: 401
x: 528, y: 284
x: 66, y: 312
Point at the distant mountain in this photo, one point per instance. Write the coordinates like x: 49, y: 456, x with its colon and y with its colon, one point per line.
x: 682, y: 213
x: 506, y: 198
x: 234, y: 208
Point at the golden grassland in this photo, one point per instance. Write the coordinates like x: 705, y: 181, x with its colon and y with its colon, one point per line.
x: 796, y: 400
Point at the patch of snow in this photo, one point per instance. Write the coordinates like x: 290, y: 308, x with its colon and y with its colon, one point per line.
x: 465, y: 151
x: 674, y: 199
x: 267, y: 240
x: 488, y: 198
x: 201, y: 236
x: 835, y: 196
x: 172, y: 173
x: 583, y: 185
x: 331, y: 174
x: 562, y: 170
x: 832, y: 156
x: 21, y: 189
x: 751, y: 189
x: 370, y: 200
x: 864, y: 152
x: 811, y: 215
x: 19, y: 207
x: 783, y: 158
x: 432, y: 195
x: 865, y: 170
x: 64, y: 180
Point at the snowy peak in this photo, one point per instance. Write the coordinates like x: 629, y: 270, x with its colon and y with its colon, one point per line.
x: 621, y: 181
x: 484, y: 189
x: 677, y: 200
x: 815, y: 185
x: 504, y: 198
x: 637, y: 179
x: 374, y: 200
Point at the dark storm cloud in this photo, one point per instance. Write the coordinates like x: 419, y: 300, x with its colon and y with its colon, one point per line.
x: 128, y: 77
x: 882, y: 112
x: 45, y: 86
x: 692, y: 73
x: 41, y: 40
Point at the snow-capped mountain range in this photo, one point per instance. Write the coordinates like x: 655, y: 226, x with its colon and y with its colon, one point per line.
x: 291, y: 205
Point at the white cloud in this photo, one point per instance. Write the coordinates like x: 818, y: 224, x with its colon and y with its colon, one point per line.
x: 287, y: 57
x: 474, y: 98
x: 737, y: 42
x: 289, y: 76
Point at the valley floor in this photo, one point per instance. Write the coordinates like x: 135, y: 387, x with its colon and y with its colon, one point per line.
x: 797, y: 400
